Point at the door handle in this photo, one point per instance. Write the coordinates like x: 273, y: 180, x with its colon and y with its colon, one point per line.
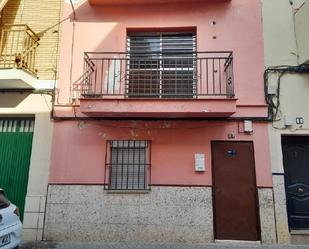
x: 300, y: 190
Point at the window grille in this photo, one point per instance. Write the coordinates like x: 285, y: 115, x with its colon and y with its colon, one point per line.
x: 161, y: 65
x: 128, y: 165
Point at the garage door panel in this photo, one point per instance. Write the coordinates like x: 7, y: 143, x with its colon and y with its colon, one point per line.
x: 15, y: 151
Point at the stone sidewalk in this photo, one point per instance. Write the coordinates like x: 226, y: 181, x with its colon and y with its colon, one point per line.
x: 53, y: 245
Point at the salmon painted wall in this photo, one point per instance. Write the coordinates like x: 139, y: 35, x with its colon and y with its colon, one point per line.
x: 79, y: 149
x: 104, y: 28
x: 78, y: 155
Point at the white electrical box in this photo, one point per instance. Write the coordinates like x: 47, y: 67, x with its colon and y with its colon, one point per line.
x: 289, y: 120
x: 248, y: 126
x: 199, y: 162
x: 272, y: 89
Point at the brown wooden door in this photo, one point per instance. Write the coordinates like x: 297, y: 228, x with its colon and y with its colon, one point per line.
x: 236, y: 214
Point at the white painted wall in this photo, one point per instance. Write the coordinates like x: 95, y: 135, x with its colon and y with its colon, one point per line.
x: 282, y: 48
x: 39, y: 106
x: 279, y: 41
x: 302, y: 33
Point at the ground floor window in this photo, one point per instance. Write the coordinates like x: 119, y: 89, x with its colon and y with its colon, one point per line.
x: 128, y: 165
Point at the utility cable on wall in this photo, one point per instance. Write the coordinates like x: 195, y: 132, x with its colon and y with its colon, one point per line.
x: 294, y: 12
x: 273, y: 99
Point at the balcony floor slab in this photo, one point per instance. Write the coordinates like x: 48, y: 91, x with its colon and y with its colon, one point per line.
x: 18, y: 79
x: 158, y: 108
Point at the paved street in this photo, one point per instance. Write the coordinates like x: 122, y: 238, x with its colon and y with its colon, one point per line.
x: 52, y: 245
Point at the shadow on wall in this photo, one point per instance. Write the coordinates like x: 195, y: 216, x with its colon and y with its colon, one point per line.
x: 12, y: 100
x: 104, y: 28
x: 139, y: 12
x: 8, y: 16
x: 9, y: 12
x: 140, y: 15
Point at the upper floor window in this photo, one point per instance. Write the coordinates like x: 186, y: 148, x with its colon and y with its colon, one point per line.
x: 161, y: 65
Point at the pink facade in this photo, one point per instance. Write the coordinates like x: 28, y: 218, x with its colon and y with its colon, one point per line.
x: 150, y: 96
x: 238, y: 28
x: 174, y: 144
x: 79, y: 146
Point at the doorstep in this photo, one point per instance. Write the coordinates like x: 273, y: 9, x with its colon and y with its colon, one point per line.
x: 258, y: 242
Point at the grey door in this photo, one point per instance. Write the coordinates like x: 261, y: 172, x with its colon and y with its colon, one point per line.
x: 296, y: 168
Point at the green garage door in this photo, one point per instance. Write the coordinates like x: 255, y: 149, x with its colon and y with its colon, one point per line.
x: 15, y: 151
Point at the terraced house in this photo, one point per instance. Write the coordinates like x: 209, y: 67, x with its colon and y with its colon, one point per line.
x: 28, y: 71
x: 287, y: 83
x: 160, y: 129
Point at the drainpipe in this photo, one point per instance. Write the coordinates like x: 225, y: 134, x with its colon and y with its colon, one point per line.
x: 74, y: 14
x: 72, y: 51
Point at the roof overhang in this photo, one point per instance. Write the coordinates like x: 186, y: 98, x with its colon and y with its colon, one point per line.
x: 131, y: 2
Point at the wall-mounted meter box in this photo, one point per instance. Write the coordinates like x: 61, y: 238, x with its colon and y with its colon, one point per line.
x: 289, y: 120
x: 199, y: 162
x: 248, y: 126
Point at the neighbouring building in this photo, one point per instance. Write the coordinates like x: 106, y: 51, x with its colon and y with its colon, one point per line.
x: 286, y: 40
x: 161, y: 129
x: 29, y: 34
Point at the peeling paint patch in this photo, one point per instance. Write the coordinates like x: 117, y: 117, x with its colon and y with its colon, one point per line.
x: 167, y: 124
x: 133, y: 134
x: 134, y: 123
x: 82, y: 125
x: 102, y: 135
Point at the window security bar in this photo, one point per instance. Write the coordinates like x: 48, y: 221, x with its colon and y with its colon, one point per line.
x: 155, y: 75
x: 127, y: 165
x: 158, y: 65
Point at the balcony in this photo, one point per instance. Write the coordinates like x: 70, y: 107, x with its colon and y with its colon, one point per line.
x: 178, y: 84
x: 18, y: 45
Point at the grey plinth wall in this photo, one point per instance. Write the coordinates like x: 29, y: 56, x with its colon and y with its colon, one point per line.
x: 267, y: 216
x: 165, y: 214
x: 283, y: 233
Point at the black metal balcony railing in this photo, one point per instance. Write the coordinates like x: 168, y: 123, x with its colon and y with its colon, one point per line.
x: 18, y: 45
x: 158, y: 75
